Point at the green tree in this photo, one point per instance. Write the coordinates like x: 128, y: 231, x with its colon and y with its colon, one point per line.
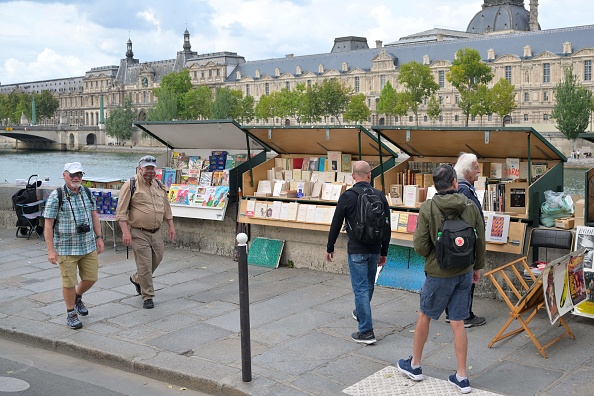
x: 177, y: 83
x: 433, y: 108
x: 402, y: 104
x: 466, y: 74
x: 263, y: 110
x: 573, y: 107
x: 247, y: 109
x: 4, y: 109
x: 165, y: 109
x: 223, y: 105
x: 387, y: 101
x: 46, y: 104
x: 419, y: 84
x: 503, y: 98
x: 357, y: 111
x: 481, y: 102
x: 312, y: 110
x: 334, y: 97
x: 290, y: 102
x: 197, y: 103
x: 119, y: 122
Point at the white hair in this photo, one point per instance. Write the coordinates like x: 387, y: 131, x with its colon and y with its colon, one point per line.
x: 464, y: 164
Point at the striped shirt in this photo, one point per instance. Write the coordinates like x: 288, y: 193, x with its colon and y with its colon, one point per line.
x: 76, y: 210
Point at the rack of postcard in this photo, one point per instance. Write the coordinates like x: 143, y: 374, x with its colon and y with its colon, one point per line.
x: 193, y: 181
x: 585, y: 286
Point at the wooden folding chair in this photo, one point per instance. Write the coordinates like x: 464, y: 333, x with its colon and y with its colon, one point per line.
x: 525, y: 297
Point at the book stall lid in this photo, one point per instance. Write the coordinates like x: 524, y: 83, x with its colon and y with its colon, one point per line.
x: 319, y: 140
x: 484, y: 142
x: 265, y: 252
x: 210, y: 134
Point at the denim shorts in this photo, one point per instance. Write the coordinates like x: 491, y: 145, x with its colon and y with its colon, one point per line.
x: 453, y: 293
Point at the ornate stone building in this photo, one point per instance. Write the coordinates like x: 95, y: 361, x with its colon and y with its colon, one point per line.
x: 507, y: 36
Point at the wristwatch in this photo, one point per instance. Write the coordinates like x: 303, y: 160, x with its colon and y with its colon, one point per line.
x: 98, y: 236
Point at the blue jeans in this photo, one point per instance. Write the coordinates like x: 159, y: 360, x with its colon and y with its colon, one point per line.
x: 363, y: 268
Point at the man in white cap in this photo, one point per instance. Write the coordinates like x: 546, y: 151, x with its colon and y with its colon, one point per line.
x: 140, y: 213
x: 73, y: 238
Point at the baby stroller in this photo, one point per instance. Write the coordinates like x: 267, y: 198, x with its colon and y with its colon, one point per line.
x: 28, y: 209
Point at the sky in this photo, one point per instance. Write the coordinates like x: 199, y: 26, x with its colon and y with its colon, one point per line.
x: 43, y: 40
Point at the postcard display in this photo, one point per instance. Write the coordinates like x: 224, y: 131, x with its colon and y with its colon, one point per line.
x: 299, y: 188
x: 513, y: 178
x: 202, y: 181
x: 584, y: 238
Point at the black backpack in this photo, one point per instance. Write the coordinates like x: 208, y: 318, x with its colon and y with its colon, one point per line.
x: 455, y: 243
x: 371, y: 224
x: 61, y: 199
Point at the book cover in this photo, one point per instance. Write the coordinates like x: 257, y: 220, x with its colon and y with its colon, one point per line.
x: 217, y: 178
x: 345, y: 163
x: 326, y: 192
x: 310, y: 216
x: 313, y: 163
x: 319, y: 214
x: 395, y: 194
x: 159, y: 174
x: 261, y: 208
x: 276, y: 210
x: 194, y: 162
x: 209, y: 196
x: 410, y: 195
x: 193, y: 176
x: 172, y: 195
x: 512, y: 168
x: 411, y: 225
x: 168, y: 177
x: 402, y: 222
x: 298, y: 163
x: 394, y: 217
x: 199, y: 197
x: 329, y: 177
x: 497, y: 227
x: 316, y: 190
x: 225, y: 181
x: 250, y: 208
x: 537, y: 170
x: 292, y: 211
x: 328, y: 214
x: 335, y: 161
x: 284, y: 211
x: 205, y: 178
x: 181, y: 197
x: 192, y: 191
x: 322, y: 164
x: 515, y: 197
x: 337, y: 190
x: 297, y: 174
x: 278, y: 187
x: 302, y: 212
x: 265, y: 187
x: 220, y: 196
x: 498, y: 170
x: 306, y: 175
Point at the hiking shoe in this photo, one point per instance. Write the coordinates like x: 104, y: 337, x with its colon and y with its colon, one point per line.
x: 405, y: 367
x: 355, y: 315
x: 366, y: 337
x: 73, y: 321
x: 476, y: 321
x: 136, y: 285
x: 80, y: 307
x: 463, y: 386
x: 148, y: 304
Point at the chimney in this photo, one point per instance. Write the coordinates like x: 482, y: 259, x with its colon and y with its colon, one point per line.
x: 533, y: 15
x: 378, y: 43
x: 289, y: 55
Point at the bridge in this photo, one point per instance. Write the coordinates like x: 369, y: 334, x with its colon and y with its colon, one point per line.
x: 61, y: 137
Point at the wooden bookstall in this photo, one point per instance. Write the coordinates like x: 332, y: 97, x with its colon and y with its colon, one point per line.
x: 306, y: 142
x: 491, y: 146
x: 200, y: 138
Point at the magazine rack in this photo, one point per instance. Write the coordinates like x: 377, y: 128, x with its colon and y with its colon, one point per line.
x: 527, y: 296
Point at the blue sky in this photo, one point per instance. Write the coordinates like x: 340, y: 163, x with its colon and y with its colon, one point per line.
x: 50, y: 39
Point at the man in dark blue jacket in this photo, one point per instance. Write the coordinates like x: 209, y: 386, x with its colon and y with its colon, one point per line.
x: 467, y: 171
x: 363, y: 258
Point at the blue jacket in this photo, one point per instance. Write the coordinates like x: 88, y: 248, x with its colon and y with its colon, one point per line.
x: 470, y: 192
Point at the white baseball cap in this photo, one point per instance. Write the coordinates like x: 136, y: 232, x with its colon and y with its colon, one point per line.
x: 73, y: 167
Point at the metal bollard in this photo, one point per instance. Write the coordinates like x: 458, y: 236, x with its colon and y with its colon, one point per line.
x: 244, y: 308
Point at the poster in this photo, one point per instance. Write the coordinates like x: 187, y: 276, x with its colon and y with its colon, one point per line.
x: 586, y: 308
x: 585, y: 238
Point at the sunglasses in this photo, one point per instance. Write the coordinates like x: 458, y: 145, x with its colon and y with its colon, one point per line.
x: 77, y: 174
x: 149, y: 159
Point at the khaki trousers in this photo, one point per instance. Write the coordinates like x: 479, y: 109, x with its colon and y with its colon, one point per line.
x: 148, y: 253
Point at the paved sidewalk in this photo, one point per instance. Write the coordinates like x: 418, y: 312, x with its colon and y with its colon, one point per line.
x: 300, y: 329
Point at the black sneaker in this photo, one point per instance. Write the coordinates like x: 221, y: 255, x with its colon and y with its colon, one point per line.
x: 355, y: 315
x: 476, y: 321
x: 80, y: 307
x: 136, y: 285
x: 366, y: 337
x: 148, y: 304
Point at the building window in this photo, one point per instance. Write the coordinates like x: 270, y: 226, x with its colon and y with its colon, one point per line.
x: 508, y: 75
x: 218, y: 72
x: 440, y: 118
x: 395, y: 118
x: 441, y: 77
x: 309, y: 83
x: 588, y: 70
x: 247, y: 89
x: 267, y: 89
x: 195, y: 74
x: 472, y: 118
x: 525, y: 117
x: 441, y: 100
x: 456, y: 99
x: 288, y: 85
x: 456, y: 118
x: 526, y: 96
x: 490, y: 117
x: 546, y: 72
x: 424, y: 118
x: 210, y: 73
x: 382, y: 81
x: 202, y: 74
x: 356, y: 84
x: 545, y: 96
x: 410, y: 118
x: 545, y: 117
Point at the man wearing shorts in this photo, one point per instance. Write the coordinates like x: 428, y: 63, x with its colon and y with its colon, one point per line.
x: 445, y: 287
x: 75, y: 241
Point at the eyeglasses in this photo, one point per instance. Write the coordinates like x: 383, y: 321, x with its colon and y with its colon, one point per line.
x: 148, y: 159
x: 77, y: 174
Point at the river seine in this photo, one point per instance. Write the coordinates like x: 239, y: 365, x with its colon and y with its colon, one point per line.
x: 121, y: 165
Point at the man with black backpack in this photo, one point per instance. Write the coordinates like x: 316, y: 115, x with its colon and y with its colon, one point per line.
x: 73, y: 238
x: 366, y: 215
x: 450, y: 235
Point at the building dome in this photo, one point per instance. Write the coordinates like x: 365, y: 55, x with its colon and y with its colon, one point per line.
x: 500, y: 15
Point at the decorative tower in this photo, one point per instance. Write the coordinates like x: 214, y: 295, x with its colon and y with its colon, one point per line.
x: 534, y: 15
x: 187, y: 45
x: 129, y: 53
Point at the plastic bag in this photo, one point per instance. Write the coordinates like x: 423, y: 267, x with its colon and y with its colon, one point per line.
x: 556, y: 205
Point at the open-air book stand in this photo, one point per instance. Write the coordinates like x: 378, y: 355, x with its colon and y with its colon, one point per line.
x: 528, y: 292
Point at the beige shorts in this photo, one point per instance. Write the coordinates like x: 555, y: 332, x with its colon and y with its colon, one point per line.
x: 88, y: 268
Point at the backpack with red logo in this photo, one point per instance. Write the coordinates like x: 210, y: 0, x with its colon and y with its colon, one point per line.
x: 455, y: 243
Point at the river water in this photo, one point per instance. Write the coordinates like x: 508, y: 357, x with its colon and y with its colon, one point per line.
x: 121, y: 165
x: 50, y: 164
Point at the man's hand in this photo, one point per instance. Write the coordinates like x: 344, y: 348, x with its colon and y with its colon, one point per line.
x: 476, y: 276
x: 52, y: 256
x: 382, y: 261
x: 126, y: 237
x: 329, y: 257
x: 172, y: 233
x: 100, y: 245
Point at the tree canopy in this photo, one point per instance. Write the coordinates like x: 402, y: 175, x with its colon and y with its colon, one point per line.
x: 119, y: 122
x: 419, y: 84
